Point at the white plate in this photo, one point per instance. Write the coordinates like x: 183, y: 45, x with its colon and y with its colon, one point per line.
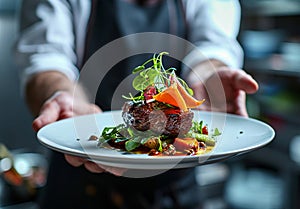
x: 239, y: 135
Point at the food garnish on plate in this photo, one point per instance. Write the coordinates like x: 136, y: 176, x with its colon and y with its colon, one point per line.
x: 159, y: 120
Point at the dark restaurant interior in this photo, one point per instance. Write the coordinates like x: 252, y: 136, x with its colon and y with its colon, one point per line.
x: 267, y: 178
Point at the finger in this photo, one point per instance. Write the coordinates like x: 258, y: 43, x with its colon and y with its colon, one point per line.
x: 49, y: 113
x: 113, y: 170
x: 96, y: 109
x: 82, y: 108
x: 241, y: 105
x: 245, y: 82
x: 66, y: 114
x: 74, y: 160
x: 93, y: 167
x: 92, y: 108
x: 99, y: 168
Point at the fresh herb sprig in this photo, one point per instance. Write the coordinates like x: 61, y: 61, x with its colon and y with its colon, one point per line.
x: 133, y: 138
x: 109, y: 133
x: 153, y: 73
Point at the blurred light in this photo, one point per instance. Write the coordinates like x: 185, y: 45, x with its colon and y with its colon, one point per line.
x: 211, y: 174
x: 254, y: 189
x: 23, y: 167
x: 295, y: 149
x: 5, y: 164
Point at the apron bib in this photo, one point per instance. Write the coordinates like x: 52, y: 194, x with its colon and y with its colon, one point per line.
x: 114, y: 19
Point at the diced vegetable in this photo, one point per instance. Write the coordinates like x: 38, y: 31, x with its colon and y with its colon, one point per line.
x: 185, y: 144
x: 209, y: 141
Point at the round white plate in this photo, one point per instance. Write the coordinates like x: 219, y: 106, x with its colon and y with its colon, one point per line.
x: 71, y: 136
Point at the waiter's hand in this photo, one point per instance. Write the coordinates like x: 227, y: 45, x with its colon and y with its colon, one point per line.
x: 225, y: 91
x: 62, y: 105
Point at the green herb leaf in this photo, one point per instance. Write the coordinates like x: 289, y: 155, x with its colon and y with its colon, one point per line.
x: 216, y: 132
x: 140, y: 83
x: 190, y: 91
x: 130, y: 132
x: 138, y: 69
x: 109, y: 133
x: 159, y: 145
x: 131, y: 145
x: 197, y: 127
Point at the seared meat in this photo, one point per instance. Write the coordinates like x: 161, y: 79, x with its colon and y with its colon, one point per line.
x: 158, y: 117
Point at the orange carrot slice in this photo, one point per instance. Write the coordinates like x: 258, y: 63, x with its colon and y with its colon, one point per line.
x: 190, y: 101
x: 176, y: 95
x: 171, y: 96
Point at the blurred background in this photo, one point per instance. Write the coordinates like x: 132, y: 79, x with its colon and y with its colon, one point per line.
x: 266, y: 178
x: 19, y: 187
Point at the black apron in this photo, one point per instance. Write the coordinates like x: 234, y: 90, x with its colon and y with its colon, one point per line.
x: 76, y: 188
x: 117, y: 18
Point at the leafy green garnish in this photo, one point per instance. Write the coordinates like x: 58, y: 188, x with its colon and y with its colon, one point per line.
x: 133, y: 138
x: 145, y: 78
x: 109, y: 133
x: 197, y: 127
x: 153, y: 73
x: 159, y: 145
x: 131, y: 145
x: 216, y: 132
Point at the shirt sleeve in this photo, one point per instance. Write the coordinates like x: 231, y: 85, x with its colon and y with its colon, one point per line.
x: 46, y: 40
x: 213, y: 27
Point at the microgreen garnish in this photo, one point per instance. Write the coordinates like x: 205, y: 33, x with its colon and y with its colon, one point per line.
x: 153, y: 73
x: 134, y: 98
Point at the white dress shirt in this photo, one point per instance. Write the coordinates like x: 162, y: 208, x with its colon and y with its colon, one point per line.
x: 53, y: 34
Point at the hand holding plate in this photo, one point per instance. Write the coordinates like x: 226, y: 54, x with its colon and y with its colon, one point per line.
x: 61, y: 105
x: 225, y: 91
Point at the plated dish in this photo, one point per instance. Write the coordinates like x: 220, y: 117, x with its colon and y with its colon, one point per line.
x: 158, y: 119
x: 71, y: 136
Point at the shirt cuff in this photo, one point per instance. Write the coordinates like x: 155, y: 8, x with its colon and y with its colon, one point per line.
x: 47, y: 62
